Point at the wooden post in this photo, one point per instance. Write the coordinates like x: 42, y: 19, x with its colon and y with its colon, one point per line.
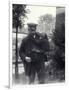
x: 16, y: 62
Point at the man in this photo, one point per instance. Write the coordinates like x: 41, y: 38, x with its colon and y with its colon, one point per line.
x: 33, y: 54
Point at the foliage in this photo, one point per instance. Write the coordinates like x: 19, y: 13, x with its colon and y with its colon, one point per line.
x: 47, y: 18
x: 19, y: 12
x: 46, y: 23
x: 59, y: 41
x: 59, y: 36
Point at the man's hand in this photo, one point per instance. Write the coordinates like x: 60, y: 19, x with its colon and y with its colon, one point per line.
x: 28, y: 59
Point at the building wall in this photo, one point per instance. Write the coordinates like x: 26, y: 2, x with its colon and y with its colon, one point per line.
x: 60, y: 17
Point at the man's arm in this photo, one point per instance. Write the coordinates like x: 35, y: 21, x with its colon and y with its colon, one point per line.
x: 22, y: 52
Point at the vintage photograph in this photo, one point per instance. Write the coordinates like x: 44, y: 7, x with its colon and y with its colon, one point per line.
x: 38, y: 44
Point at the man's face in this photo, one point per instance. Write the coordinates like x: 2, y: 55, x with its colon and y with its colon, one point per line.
x: 32, y: 29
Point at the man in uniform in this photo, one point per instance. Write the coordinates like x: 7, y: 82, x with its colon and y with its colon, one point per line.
x: 33, y: 54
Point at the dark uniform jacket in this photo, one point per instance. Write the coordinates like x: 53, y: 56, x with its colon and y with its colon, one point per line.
x: 34, y: 46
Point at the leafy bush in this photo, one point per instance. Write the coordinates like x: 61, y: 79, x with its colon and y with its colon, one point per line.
x: 59, y: 50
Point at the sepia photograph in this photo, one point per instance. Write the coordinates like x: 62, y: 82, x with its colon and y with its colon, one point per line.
x: 38, y: 44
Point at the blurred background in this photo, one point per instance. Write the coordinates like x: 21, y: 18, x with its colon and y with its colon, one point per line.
x: 50, y: 20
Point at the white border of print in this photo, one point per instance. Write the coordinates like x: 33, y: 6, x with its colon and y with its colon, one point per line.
x: 47, y: 3
x: 10, y: 46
